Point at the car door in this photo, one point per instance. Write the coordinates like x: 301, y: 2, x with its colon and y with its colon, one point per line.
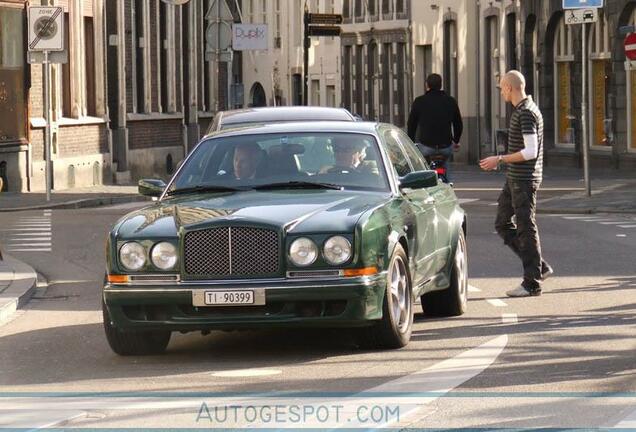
x: 443, y: 198
x: 420, y: 205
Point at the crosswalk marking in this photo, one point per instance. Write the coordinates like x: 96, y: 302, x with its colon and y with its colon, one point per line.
x: 627, y: 226
x: 31, y: 234
x: 497, y: 302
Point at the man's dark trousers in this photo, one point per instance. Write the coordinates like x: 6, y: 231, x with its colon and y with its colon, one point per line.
x: 519, y: 198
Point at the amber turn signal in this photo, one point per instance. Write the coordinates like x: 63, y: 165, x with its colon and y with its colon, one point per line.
x: 117, y: 279
x: 365, y: 271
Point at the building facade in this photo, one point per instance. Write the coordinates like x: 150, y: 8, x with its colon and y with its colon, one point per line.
x: 550, y: 51
x: 275, y: 76
x: 79, y: 122
x: 389, y: 47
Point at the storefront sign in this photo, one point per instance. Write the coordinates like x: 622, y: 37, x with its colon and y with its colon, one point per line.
x: 249, y: 37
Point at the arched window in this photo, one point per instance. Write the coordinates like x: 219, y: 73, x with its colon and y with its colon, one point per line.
x: 600, y: 71
x: 563, y: 89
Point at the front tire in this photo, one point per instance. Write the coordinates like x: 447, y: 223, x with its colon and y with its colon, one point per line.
x: 131, y: 343
x: 395, y: 327
x: 453, y: 300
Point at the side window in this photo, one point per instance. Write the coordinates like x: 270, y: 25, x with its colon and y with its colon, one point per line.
x: 414, y: 155
x: 396, y: 154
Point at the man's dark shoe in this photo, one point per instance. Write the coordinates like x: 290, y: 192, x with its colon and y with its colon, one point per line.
x: 521, y: 291
x: 546, y: 270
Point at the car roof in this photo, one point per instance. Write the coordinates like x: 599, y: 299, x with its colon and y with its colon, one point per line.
x: 301, y: 126
x: 286, y: 113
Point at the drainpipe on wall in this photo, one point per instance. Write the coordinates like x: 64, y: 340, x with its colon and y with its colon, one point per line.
x: 478, y: 75
x: 411, y: 71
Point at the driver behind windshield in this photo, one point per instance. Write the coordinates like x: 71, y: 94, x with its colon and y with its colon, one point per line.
x: 247, y: 158
x: 349, y: 153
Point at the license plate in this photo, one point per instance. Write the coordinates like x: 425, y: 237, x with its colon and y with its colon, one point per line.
x: 228, y: 298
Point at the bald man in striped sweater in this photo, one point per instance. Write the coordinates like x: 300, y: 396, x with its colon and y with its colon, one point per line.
x: 524, y: 172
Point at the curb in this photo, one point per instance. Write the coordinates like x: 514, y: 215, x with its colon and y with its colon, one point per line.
x: 584, y: 210
x: 81, y: 203
x: 20, y: 289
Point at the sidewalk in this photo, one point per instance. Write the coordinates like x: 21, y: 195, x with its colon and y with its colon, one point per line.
x: 612, y: 191
x: 17, y: 284
x: 72, y: 198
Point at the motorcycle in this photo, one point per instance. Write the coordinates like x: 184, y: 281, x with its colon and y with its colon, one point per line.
x: 437, y: 163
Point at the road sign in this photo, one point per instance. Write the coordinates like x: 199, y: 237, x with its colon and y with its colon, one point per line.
x: 581, y: 16
x: 324, y: 30
x: 630, y: 46
x: 249, y: 37
x: 46, y: 28
x: 325, y: 18
x: 581, y: 4
x: 55, y: 57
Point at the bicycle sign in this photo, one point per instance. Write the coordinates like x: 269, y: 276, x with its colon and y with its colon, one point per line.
x: 581, y: 16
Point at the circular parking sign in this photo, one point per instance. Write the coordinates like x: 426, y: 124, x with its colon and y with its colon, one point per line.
x: 630, y: 46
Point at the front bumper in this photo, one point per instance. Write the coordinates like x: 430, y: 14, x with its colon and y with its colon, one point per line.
x: 344, y: 302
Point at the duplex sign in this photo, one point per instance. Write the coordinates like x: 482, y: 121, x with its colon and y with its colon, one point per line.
x: 249, y: 37
x: 580, y: 4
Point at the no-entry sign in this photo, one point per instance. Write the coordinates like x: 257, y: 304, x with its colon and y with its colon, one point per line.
x: 630, y: 46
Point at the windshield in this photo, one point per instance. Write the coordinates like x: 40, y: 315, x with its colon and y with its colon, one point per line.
x: 333, y: 160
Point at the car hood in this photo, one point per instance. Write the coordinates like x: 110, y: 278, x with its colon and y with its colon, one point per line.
x: 302, y: 211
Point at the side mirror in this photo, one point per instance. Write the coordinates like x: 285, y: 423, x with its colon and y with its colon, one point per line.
x: 151, y: 187
x: 419, y: 180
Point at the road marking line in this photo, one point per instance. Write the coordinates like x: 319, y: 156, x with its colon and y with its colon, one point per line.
x: 509, y: 318
x: 598, y: 220
x: 30, y: 244
x: 243, y: 373
x: 628, y: 422
x: 627, y: 226
x: 612, y: 223
x: 467, y: 200
x: 621, y: 235
x: 496, y: 302
x: 473, y: 289
x: 28, y: 250
x: 410, y: 393
x: 13, y: 240
x: 28, y: 229
x: 29, y: 234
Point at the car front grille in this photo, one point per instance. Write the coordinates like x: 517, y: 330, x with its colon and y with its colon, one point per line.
x: 231, y: 252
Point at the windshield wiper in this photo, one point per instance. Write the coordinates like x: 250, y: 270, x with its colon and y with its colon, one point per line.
x: 205, y: 188
x: 298, y: 185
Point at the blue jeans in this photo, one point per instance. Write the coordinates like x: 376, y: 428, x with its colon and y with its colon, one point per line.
x: 430, y: 151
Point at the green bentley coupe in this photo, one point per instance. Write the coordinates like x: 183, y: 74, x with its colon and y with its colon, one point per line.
x: 321, y: 224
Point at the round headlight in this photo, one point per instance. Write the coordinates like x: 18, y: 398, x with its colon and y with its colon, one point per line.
x: 337, y: 250
x: 132, y: 255
x: 303, y: 252
x: 164, y: 255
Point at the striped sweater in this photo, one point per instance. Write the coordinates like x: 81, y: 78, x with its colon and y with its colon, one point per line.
x: 526, y: 119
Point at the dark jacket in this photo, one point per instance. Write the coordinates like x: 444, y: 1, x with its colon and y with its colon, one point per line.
x: 436, y: 120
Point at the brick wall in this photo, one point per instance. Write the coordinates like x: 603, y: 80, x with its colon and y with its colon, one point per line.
x: 36, y: 96
x: 155, y: 133
x: 82, y: 140
x: 37, y: 144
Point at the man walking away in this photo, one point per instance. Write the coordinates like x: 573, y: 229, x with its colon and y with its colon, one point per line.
x: 435, y: 122
x: 518, y: 197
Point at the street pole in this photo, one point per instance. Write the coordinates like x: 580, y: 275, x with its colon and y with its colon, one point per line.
x: 218, y: 55
x: 586, y: 161
x: 47, y: 127
x: 306, y: 45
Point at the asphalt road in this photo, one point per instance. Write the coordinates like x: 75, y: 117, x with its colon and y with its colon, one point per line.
x: 565, y: 359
